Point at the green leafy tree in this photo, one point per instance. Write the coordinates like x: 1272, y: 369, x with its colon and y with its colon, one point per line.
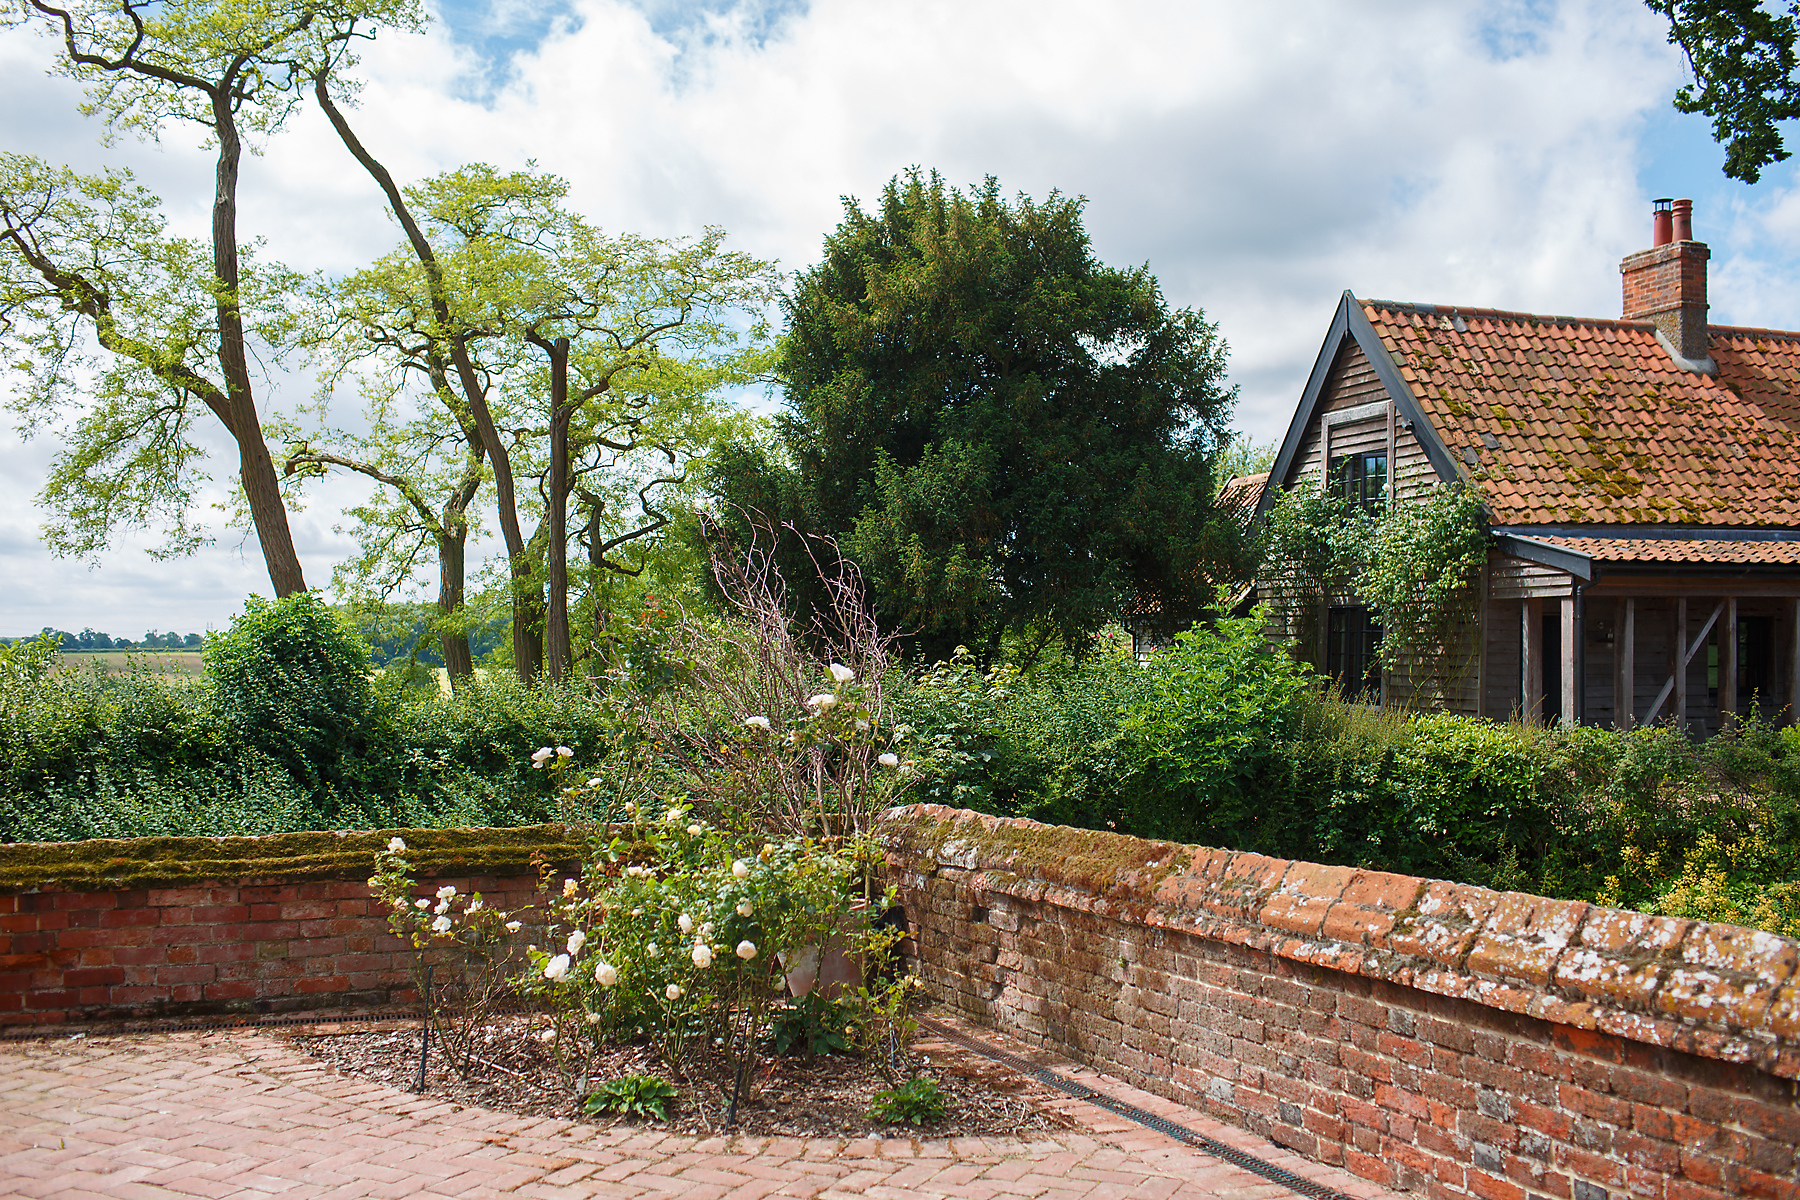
x: 1742, y: 54
x: 1004, y: 433
x: 637, y: 339
x: 492, y: 224
x: 176, y: 321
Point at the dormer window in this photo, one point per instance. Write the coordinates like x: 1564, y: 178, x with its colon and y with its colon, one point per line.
x: 1360, y: 479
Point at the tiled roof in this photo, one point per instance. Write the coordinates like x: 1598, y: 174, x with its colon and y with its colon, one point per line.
x: 1677, y: 550
x: 1573, y: 420
x: 1240, y: 496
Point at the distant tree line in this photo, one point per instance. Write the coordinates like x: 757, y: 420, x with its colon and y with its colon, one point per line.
x: 90, y: 639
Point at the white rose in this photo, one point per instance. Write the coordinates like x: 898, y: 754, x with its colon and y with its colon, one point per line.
x: 841, y: 673
x: 740, y: 869
x: 564, y: 752
x: 596, y: 781
x: 475, y: 906
x: 673, y: 991
x: 442, y: 906
x: 593, y: 1018
x: 652, y: 950
x: 577, y: 940
x: 745, y: 908
x: 823, y: 702
x: 761, y: 723
x: 441, y: 925
x: 888, y: 760
x: 686, y: 923
x: 514, y: 926
x: 421, y: 903
x: 862, y: 726
x: 746, y: 950
x: 396, y: 846
x: 541, y: 754
x: 702, y: 955
x: 557, y: 969
x: 706, y: 929
x: 446, y: 892
x: 695, y: 830
x: 605, y: 974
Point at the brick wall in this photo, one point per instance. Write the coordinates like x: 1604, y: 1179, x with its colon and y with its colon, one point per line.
x: 1426, y: 1035
x: 210, y: 947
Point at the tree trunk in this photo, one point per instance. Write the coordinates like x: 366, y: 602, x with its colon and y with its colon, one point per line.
x: 459, y: 661
x: 556, y: 626
x: 255, y: 467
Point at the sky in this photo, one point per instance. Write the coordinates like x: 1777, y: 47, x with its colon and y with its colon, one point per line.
x: 1261, y: 159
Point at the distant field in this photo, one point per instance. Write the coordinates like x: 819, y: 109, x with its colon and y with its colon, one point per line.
x: 165, y: 662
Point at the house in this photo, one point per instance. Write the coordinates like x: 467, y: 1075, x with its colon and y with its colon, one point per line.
x: 1641, y: 478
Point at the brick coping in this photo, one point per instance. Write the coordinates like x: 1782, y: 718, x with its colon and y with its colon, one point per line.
x: 1719, y: 991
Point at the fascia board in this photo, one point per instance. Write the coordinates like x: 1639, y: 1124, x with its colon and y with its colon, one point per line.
x: 1561, y: 557
x: 1309, y: 401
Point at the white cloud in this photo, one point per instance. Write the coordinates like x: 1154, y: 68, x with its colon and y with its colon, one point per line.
x: 1261, y: 158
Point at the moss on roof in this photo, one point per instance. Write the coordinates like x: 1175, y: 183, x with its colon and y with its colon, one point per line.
x: 110, y: 864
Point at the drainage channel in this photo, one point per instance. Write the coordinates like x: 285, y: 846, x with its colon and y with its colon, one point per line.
x: 1131, y: 1112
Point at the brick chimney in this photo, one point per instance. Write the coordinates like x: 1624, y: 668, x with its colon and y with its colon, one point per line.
x: 1666, y: 285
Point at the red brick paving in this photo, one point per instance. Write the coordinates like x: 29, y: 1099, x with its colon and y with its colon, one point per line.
x: 243, y: 1114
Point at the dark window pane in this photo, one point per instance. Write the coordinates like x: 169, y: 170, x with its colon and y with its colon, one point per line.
x: 1352, y: 648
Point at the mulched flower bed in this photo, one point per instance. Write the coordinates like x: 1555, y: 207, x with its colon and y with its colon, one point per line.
x: 794, y: 1096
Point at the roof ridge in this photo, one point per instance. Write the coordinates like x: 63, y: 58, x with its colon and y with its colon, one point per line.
x: 1460, y: 310
x: 1468, y: 310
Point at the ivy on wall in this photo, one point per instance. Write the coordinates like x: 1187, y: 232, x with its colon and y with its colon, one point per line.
x: 1417, y: 564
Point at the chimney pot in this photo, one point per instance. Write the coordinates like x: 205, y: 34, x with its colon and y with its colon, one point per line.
x: 1666, y: 284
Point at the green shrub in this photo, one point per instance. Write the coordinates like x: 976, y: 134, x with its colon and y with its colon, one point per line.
x: 917, y: 1101
x: 290, y: 678
x: 632, y: 1096
x: 1210, y: 733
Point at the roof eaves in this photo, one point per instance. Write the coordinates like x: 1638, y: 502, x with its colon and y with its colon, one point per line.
x: 1561, y: 557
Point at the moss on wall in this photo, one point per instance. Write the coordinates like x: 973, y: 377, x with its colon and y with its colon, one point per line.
x: 110, y: 864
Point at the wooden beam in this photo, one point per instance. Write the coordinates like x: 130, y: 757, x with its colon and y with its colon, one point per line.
x: 1678, y: 677
x: 1728, y: 664
x: 1571, y: 715
x: 1793, y: 680
x: 1680, y: 674
x: 1675, y: 585
x: 1531, y: 633
x: 1625, y: 702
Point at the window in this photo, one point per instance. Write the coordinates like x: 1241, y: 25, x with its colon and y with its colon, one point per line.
x: 1352, y: 639
x: 1361, y: 479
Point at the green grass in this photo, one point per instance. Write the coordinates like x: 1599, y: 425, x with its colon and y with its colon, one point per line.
x: 160, y: 662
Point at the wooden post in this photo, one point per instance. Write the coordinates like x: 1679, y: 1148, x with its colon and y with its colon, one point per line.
x: 1531, y: 632
x: 1680, y: 663
x: 1793, y: 679
x: 1571, y: 714
x: 1728, y: 664
x: 1625, y: 699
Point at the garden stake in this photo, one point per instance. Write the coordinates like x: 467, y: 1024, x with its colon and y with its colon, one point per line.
x: 424, y: 1032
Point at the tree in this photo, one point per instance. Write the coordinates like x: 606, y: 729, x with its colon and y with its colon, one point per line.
x: 603, y: 356
x: 98, y: 249
x: 636, y: 339
x: 1006, y: 435
x: 1743, y: 59
x: 451, y: 338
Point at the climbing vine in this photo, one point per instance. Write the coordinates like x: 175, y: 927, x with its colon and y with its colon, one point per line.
x: 1417, y: 564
